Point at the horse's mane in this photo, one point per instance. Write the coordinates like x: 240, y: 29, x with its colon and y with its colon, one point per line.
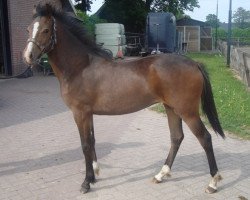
x: 75, y: 26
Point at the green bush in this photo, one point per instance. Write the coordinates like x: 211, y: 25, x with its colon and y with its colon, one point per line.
x: 242, y: 34
x: 238, y: 32
x: 221, y: 33
x: 90, y: 21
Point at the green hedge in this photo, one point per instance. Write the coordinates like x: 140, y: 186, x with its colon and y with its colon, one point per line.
x: 90, y: 21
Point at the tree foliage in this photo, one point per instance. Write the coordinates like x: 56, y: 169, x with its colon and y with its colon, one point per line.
x: 89, y: 21
x: 212, y: 20
x: 221, y: 33
x: 241, y: 18
x: 132, y: 13
x: 237, y: 33
x: 83, y: 5
x: 174, y: 6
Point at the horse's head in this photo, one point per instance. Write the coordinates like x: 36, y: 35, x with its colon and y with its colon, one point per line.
x: 42, y: 34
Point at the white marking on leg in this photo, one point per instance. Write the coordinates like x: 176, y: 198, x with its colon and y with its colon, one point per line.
x: 213, y: 183
x: 96, y: 168
x: 164, y: 172
x: 30, y: 44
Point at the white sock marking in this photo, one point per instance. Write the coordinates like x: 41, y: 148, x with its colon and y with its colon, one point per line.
x: 214, y: 181
x: 164, y: 172
x: 96, y: 167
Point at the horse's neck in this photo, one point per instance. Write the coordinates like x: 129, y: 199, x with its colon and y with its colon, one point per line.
x: 67, y: 58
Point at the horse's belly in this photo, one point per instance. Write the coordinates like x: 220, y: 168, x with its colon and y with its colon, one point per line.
x: 116, y: 105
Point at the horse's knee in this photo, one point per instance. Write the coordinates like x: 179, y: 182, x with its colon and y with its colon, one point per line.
x: 85, y: 147
x: 93, y: 140
x: 177, y: 140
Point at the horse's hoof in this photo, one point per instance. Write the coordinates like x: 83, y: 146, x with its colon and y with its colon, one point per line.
x: 93, y: 181
x: 155, y: 181
x: 85, y: 188
x: 210, y: 190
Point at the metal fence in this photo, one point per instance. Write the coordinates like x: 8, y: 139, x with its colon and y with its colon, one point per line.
x: 135, y: 43
x: 237, y: 41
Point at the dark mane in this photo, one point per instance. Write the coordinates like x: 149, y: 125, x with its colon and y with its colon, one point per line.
x: 75, y: 26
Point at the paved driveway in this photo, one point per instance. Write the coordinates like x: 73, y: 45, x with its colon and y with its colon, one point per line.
x: 41, y: 157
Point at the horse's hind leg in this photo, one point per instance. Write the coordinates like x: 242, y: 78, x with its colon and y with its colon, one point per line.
x: 176, y: 135
x: 204, y: 137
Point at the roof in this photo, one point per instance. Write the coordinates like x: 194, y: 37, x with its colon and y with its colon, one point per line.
x: 190, y: 22
x: 68, y: 6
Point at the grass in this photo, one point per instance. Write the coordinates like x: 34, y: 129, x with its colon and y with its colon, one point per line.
x: 232, y: 97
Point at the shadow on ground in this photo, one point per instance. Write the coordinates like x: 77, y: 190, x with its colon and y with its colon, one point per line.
x: 60, y: 158
x: 24, y: 100
x: 199, y: 161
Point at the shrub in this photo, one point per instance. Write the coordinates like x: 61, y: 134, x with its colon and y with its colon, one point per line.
x: 89, y: 21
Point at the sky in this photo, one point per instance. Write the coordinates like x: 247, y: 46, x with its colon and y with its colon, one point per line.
x: 206, y: 7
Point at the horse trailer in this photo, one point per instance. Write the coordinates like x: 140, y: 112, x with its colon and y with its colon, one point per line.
x: 160, y: 33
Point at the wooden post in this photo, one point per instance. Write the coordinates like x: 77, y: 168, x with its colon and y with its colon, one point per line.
x: 246, y: 68
x: 229, y: 34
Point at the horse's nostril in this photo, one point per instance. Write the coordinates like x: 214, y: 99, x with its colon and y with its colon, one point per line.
x: 30, y: 55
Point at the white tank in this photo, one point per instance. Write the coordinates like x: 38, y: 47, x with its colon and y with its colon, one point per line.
x: 111, y: 36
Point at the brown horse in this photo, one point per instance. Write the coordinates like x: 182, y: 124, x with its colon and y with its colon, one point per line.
x: 92, y: 83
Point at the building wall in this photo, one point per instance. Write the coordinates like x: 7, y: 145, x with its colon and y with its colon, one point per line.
x: 197, y: 38
x: 191, y: 36
x: 20, y: 16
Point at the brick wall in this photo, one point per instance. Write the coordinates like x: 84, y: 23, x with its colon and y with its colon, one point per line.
x: 20, y: 16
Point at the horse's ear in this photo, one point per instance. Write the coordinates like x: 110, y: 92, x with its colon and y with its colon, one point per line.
x: 49, y: 9
x: 34, y: 10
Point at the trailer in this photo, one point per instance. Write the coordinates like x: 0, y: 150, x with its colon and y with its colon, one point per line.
x: 160, y: 33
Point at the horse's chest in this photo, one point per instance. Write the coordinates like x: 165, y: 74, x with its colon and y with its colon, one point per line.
x: 65, y: 92
x: 75, y: 96
x: 68, y: 95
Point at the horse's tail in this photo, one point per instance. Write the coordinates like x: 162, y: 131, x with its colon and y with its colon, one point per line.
x: 208, y: 104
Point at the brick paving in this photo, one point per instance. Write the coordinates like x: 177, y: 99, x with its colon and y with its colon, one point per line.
x: 41, y: 157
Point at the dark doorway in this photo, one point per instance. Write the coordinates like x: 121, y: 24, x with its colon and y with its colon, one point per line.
x: 5, y: 54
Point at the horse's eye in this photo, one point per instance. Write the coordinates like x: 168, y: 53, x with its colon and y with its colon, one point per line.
x: 46, y: 30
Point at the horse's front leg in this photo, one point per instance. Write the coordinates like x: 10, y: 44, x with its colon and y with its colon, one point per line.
x: 84, y: 123
x: 94, y: 157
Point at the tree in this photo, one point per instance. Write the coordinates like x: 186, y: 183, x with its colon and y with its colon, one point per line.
x: 133, y: 13
x: 212, y: 20
x: 83, y: 5
x: 89, y: 22
x: 241, y: 18
x: 174, y: 6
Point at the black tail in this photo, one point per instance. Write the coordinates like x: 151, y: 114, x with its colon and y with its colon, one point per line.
x: 208, y: 104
